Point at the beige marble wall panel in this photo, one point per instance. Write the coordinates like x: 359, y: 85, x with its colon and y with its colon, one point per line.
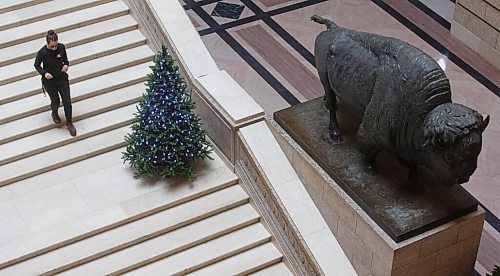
x: 468, y: 38
x: 406, y: 254
x: 470, y: 228
x: 443, y: 251
x: 378, y: 243
x: 379, y: 266
x: 482, y: 19
x: 439, y: 241
x: 477, y: 26
x: 447, y: 256
x: 478, y: 7
x: 461, y: 15
x: 477, y: 44
x: 492, y: 16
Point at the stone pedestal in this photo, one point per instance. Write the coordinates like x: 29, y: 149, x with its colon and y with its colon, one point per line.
x: 441, y: 240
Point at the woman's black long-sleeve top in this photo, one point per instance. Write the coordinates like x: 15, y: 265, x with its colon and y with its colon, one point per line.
x: 53, y: 61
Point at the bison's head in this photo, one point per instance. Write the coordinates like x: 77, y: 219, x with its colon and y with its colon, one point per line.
x: 453, y: 134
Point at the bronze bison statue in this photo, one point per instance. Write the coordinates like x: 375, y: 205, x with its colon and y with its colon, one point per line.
x: 404, y: 98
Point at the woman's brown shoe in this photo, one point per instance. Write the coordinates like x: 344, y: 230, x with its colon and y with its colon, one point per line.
x: 71, y: 128
x: 55, y: 118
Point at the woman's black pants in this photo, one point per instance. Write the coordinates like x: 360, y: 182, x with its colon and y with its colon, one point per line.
x: 56, y: 87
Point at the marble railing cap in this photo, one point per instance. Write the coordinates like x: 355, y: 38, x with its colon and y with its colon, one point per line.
x: 231, y: 97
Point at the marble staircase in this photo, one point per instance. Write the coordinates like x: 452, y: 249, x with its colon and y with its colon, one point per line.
x: 68, y: 205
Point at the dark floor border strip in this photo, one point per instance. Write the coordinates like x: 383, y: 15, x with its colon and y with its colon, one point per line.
x: 245, y: 55
x: 229, y: 25
x: 296, y: 45
x: 200, y: 3
x: 490, y: 217
x: 295, y: 6
x: 266, y: 17
x: 438, y: 46
x: 432, y: 14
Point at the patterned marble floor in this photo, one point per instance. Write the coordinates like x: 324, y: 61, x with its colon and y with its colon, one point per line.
x: 267, y: 47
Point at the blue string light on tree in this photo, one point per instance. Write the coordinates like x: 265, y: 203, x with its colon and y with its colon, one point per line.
x: 166, y: 138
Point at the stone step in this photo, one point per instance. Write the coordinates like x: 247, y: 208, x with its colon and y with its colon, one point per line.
x: 80, y: 72
x: 54, y: 138
x: 56, y: 158
x: 170, y: 243
x: 207, y: 253
x: 79, y: 91
x: 62, y: 23
x: 70, y: 38
x: 76, y: 55
x: 41, y: 122
x: 111, y: 201
x: 10, y: 5
x: 133, y: 233
x: 43, y: 11
x: 278, y: 269
x: 29, y: 186
x: 244, y: 263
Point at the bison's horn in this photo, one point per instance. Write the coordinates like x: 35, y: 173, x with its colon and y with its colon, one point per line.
x: 485, y: 123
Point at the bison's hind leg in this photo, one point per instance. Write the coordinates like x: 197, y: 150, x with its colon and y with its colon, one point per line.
x: 368, y: 146
x: 333, y: 127
x: 330, y: 101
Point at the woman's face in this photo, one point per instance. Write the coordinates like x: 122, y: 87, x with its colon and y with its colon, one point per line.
x: 52, y: 45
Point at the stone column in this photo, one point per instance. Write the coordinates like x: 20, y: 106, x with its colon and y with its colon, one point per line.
x: 477, y: 24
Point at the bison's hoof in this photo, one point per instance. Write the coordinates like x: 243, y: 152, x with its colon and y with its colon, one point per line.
x: 370, y: 169
x: 336, y: 136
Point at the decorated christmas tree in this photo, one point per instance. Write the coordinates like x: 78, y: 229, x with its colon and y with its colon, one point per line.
x: 166, y: 138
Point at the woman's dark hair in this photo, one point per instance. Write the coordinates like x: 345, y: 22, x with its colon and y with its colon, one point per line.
x: 51, y: 36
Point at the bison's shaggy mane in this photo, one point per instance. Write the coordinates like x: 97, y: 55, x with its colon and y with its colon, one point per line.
x: 449, y: 122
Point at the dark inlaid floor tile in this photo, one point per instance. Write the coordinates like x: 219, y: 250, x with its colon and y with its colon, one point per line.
x: 211, y: 8
x: 228, y: 10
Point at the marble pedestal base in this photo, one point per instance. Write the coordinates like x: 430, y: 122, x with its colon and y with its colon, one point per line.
x: 447, y: 249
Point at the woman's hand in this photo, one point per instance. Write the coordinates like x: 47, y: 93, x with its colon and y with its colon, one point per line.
x: 48, y: 76
x: 64, y: 68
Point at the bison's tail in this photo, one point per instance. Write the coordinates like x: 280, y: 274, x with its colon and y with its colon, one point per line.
x: 329, y: 24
